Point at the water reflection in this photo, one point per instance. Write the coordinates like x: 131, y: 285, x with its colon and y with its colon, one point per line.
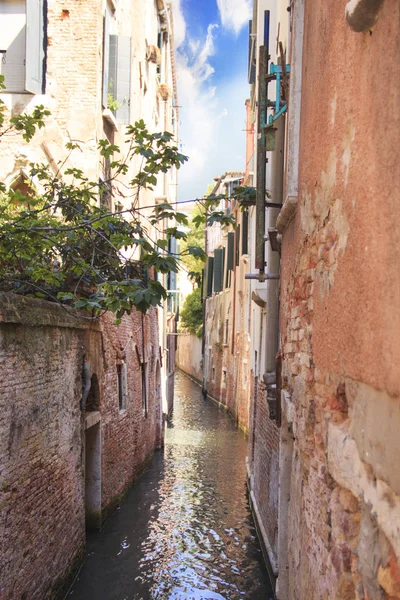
x: 184, y: 532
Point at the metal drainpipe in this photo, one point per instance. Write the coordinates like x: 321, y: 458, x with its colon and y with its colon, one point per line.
x: 86, y: 384
x: 273, y: 258
x: 203, y: 335
x: 361, y: 15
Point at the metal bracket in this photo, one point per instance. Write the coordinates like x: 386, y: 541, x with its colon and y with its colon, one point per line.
x: 279, y: 106
x: 261, y: 276
x: 275, y: 239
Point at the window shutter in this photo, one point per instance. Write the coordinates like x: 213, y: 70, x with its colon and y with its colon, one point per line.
x: 112, y: 67
x: 218, y: 269
x: 245, y: 233
x: 237, y: 245
x: 13, y: 41
x: 123, y: 76
x: 203, y: 285
x: 35, y: 54
x: 231, y: 246
x: 252, y: 56
x: 106, y: 57
x: 210, y: 275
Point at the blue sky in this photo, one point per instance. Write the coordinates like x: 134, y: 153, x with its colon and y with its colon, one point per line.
x: 211, y: 38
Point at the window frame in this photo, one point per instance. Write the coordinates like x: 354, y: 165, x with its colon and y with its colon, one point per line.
x: 33, y: 71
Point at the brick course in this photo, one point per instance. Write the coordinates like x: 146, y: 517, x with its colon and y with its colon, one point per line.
x: 340, y: 320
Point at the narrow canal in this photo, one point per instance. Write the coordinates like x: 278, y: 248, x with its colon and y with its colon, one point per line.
x: 185, y: 531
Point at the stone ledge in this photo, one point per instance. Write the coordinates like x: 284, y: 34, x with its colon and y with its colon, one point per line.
x: 39, y: 313
x: 92, y: 418
x: 349, y: 471
x: 287, y: 213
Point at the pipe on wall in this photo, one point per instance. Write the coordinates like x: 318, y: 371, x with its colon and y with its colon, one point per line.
x: 273, y: 258
x: 86, y: 384
x: 361, y: 15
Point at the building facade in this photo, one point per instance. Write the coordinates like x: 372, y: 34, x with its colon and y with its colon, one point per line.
x: 323, y: 290
x: 82, y: 405
x: 226, y: 299
x: 339, y: 321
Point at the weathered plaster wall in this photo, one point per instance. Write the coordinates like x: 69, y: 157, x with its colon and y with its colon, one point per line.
x: 42, y: 434
x: 340, y: 318
x: 188, y: 356
x: 227, y: 373
x: 227, y: 345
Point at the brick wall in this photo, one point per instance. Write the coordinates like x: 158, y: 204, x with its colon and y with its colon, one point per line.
x: 263, y: 457
x: 340, y: 319
x: 129, y: 435
x: 42, y: 434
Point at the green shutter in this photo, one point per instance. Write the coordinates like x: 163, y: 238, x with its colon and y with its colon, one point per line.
x: 231, y: 247
x: 218, y: 269
x: 237, y: 245
x: 245, y: 232
x: 35, y: 53
x: 210, y: 275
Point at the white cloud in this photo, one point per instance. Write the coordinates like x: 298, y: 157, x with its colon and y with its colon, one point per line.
x: 211, y: 118
x: 234, y: 13
x: 179, y: 23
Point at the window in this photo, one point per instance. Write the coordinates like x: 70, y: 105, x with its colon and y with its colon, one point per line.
x: 224, y: 378
x: 237, y: 252
x: 116, y: 71
x: 245, y: 232
x: 210, y: 275
x: 219, y: 255
x: 22, y: 45
x: 121, y: 385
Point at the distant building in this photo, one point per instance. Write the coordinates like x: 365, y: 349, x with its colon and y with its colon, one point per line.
x: 225, y: 293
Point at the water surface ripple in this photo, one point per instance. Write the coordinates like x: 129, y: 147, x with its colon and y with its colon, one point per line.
x: 185, y: 531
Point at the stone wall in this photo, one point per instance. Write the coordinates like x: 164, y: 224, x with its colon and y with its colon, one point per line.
x: 340, y: 320
x: 43, y: 432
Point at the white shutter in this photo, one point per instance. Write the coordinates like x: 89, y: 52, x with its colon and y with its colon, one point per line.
x: 12, y: 44
x: 123, y: 95
x: 34, y: 46
x: 112, y: 66
x: 106, y: 54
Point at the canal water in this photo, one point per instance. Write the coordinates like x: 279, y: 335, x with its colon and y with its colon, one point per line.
x: 185, y: 531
